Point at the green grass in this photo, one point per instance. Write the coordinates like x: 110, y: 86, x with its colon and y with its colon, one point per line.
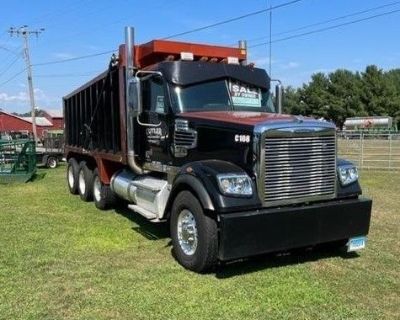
x: 61, y: 258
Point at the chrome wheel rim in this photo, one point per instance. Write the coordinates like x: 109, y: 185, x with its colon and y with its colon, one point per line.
x: 187, y: 232
x: 97, y: 189
x: 52, y: 163
x: 82, y: 184
x: 70, y: 177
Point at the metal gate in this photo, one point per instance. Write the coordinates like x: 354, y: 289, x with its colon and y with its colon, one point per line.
x: 370, y: 150
x: 17, y: 160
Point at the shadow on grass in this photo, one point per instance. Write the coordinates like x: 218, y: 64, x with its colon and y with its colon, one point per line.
x: 278, y: 260
x: 157, y: 231
x: 38, y: 177
x: 149, y: 230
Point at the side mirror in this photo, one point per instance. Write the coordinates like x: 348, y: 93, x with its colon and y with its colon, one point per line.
x: 279, y: 97
x: 135, y: 96
x: 135, y: 90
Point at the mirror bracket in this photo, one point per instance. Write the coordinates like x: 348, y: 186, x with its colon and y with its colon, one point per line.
x: 278, y: 95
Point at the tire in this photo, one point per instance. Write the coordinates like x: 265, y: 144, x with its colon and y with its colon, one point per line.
x: 72, y: 175
x: 85, y: 182
x: 198, y: 254
x: 52, y: 162
x: 104, y: 198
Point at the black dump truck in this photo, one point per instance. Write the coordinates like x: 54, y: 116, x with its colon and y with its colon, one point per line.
x: 188, y: 134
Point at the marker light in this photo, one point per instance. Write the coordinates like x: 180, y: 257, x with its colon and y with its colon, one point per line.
x: 233, y: 60
x: 187, y: 56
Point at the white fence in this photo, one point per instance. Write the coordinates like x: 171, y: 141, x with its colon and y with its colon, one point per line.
x: 370, y: 150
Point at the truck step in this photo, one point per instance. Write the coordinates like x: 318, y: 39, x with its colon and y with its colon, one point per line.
x: 143, y: 212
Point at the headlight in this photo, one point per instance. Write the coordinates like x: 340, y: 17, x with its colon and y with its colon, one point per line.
x: 347, y: 174
x: 235, y: 184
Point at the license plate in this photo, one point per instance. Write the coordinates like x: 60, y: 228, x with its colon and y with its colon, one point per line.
x: 355, y: 244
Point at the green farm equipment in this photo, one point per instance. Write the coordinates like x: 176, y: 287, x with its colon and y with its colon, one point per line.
x: 17, y: 160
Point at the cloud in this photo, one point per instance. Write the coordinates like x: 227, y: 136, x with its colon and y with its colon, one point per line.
x: 63, y: 55
x: 262, y: 62
x: 290, y: 65
x: 19, y: 97
x: 91, y: 47
x: 22, y: 98
x: 321, y: 70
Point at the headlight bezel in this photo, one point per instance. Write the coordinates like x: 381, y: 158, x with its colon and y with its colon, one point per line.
x: 347, y: 174
x: 230, y: 176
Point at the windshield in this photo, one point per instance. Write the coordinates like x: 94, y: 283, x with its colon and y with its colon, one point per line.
x: 222, y: 95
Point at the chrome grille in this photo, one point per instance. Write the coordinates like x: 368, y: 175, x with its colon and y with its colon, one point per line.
x: 299, y: 168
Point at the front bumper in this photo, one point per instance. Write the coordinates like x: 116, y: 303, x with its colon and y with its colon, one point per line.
x: 249, y: 233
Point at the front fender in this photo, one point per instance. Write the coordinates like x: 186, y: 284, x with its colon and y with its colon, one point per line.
x: 200, y: 178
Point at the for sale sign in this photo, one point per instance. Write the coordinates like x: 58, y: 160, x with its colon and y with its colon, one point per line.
x: 243, y: 95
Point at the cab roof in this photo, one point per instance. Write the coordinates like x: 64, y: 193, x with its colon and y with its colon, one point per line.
x: 184, y: 73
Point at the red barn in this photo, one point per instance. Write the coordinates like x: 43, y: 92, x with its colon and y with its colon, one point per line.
x: 12, y: 123
x: 56, y: 117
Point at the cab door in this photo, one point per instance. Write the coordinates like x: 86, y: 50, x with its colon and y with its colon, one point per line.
x: 153, y: 122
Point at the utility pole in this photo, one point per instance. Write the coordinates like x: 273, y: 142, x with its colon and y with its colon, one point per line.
x: 25, y: 33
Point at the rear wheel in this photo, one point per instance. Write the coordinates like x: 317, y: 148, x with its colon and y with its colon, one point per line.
x: 104, y: 198
x: 194, y: 235
x: 85, y: 182
x: 72, y: 175
x: 52, y: 162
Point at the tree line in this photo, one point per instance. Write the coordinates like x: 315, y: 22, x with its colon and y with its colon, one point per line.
x: 342, y: 93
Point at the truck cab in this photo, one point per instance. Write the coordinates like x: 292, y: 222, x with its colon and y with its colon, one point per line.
x: 188, y: 134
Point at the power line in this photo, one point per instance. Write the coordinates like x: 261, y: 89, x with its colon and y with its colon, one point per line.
x: 329, y: 20
x: 10, y: 65
x: 71, y: 7
x: 73, y: 59
x: 175, y: 35
x: 68, y: 75
x: 326, y: 29
x: 270, y: 38
x: 12, y: 77
x: 245, y: 16
x: 3, y: 34
x: 8, y: 50
x: 231, y: 19
x: 103, y: 25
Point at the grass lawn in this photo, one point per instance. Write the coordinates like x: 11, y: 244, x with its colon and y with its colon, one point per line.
x: 61, y: 258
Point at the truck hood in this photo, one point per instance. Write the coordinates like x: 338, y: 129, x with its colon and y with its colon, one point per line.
x: 248, y: 118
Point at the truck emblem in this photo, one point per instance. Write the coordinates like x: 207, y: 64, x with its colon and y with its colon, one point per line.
x: 242, y: 138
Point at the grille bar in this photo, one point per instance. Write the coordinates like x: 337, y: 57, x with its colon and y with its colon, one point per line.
x: 299, y: 168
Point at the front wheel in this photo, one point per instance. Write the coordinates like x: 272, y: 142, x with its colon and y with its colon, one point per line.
x: 194, y: 234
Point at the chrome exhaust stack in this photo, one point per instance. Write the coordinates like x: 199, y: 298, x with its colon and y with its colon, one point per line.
x: 129, y: 75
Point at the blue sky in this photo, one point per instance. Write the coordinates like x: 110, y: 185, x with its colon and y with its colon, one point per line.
x: 75, y: 28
